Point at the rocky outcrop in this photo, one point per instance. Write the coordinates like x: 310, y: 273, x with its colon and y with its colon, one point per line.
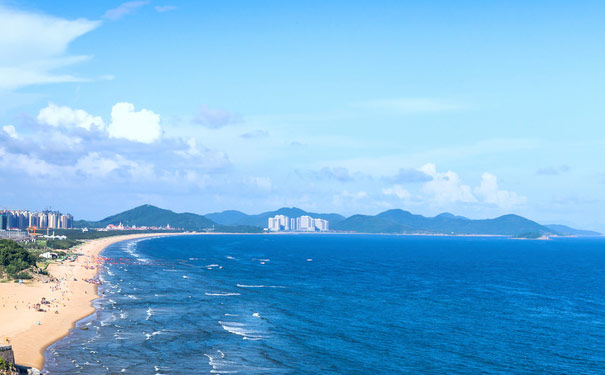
x: 6, y: 353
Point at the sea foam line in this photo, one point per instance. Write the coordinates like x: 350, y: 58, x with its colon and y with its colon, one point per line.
x: 259, y: 286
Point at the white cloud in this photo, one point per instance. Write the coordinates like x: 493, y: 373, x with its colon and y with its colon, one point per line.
x: 446, y: 187
x: 11, y: 131
x: 488, y: 190
x: 397, y: 191
x: 64, y: 116
x: 124, y: 9
x: 32, y: 45
x: 143, y: 126
x: 193, y: 150
x: 95, y: 165
x: 31, y: 166
x: 410, y: 105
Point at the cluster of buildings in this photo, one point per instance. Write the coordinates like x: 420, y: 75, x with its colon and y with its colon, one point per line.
x: 22, y: 219
x: 304, y: 223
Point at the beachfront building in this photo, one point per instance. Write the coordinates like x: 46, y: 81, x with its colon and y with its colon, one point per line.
x: 279, y: 223
x: 21, y: 219
x: 321, y: 225
x: 305, y: 223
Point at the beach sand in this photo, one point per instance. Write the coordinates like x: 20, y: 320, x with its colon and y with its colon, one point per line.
x: 71, y: 301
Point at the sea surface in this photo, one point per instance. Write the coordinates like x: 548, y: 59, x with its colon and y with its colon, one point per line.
x: 343, y: 304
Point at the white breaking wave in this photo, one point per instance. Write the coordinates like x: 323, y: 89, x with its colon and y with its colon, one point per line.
x: 259, y: 286
x: 222, y: 294
x: 218, y: 364
x: 149, y: 336
x: 130, y: 249
x: 240, y: 330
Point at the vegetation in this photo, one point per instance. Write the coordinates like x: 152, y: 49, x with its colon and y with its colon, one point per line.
x: 370, y: 224
x: 152, y: 216
x: 77, y: 234
x: 399, y: 221
x: 62, y: 244
x: 237, y: 218
x: 6, y: 368
x: 14, y: 258
x: 529, y: 235
x: 24, y: 276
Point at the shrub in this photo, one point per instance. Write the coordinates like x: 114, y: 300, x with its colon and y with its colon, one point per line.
x: 24, y: 276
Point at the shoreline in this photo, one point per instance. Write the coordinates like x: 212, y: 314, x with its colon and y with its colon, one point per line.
x: 30, y: 332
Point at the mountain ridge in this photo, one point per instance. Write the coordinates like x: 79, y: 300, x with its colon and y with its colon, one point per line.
x: 389, y: 221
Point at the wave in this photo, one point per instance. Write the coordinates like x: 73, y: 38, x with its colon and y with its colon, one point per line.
x: 240, y: 330
x: 219, y: 364
x: 148, y: 336
x: 130, y: 249
x: 259, y: 286
x: 222, y: 294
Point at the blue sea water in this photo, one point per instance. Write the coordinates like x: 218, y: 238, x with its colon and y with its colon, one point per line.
x: 343, y: 304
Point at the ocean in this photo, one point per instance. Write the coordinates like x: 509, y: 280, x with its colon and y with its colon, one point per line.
x: 343, y: 304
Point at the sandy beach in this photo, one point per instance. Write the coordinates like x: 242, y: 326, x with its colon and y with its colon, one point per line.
x: 30, y: 331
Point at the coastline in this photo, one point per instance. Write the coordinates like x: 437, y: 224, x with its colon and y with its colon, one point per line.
x: 73, y: 299
x: 30, y: 332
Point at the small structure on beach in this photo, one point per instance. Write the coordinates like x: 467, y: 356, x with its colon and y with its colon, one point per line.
x: 49, y: 255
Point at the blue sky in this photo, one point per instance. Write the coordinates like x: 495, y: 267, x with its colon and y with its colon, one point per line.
x: 348, y: 107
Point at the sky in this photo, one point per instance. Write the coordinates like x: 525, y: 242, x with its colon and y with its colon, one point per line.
x: 475, y: 108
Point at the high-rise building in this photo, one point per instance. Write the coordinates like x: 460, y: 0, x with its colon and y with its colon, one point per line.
x: 53, y: 220
x: 320, y: 225
x: 21, y: 219
x: 279, y: 223
x: 65, y: 221
x: 305, y: 224
x: 301, y: 224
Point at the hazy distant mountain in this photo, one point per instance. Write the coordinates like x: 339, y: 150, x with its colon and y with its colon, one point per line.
x: 229, y: 217
x: 261, y: 220
x: 370, y: 224
x: 148, y: 215
x: 399, y: 221
x: 391, y: 221
x: 568, y: 231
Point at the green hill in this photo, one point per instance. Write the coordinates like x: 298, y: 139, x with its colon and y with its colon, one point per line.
x: 569, y: 231
x: 399, y: 221
x: 370, y: 224
x: 148, y: 215
x: 260, y: 220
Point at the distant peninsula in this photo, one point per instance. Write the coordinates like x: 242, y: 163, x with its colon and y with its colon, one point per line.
x: 394, y: 221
